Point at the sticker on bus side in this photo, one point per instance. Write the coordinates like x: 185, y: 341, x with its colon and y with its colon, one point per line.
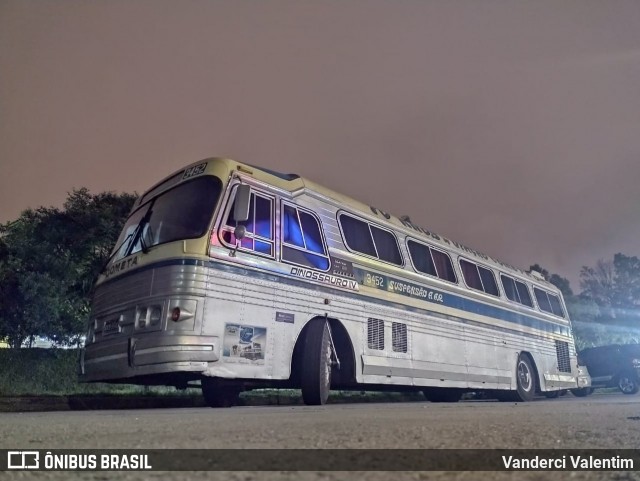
x: 285, y: 317
x: 244, y: 343
x: 341, y: 267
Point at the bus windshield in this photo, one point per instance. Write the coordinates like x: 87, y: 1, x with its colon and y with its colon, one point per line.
x: 183, y: 212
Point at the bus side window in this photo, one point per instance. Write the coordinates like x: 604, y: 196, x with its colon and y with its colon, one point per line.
x: 516, y: 291
x: 479, y: 278
x: 523, y: 291
x: 543, y: 300
x: 471, y: 275
x: 548, y: 302
x: 509, y: 286
x: 431, y: 261
x: 556, y: 307
x: 259, y: 226
x: 302, y: 240
x: 370, y: 240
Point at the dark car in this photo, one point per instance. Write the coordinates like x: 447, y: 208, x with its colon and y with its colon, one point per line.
x: 617, y: 365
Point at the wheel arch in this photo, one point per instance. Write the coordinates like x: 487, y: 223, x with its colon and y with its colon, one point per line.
x: 344, y: 376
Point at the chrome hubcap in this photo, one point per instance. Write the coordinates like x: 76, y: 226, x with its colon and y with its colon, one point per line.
x: 524, y: 376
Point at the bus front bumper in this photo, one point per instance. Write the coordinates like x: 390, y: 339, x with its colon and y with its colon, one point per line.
x: 583, y: 379
x: 128, y: 357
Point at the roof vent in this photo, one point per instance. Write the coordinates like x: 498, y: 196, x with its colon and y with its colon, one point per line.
x: 537, y: 275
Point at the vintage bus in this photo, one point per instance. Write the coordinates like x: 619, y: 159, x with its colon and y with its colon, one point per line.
x: 242, y: 278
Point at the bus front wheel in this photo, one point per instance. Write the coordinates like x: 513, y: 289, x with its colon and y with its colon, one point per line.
x: 316, y: 363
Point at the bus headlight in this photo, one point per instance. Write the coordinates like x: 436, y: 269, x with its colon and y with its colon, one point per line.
x: 155, y: 313
x: 148, y: 316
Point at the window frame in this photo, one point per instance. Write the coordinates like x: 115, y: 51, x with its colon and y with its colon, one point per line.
x: 460, y: 259
x: 224, y: 227
x: 515, y: 281
x: 127, y: 248
x: 282, y: 243
x: 340, y: 213
x: 453, y: 269
x: 560, y: 302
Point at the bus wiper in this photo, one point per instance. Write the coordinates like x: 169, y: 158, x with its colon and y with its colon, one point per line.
x: 134, y: 235
x: 115, y: 251
x: 143, y: 244
x: 138, y: 234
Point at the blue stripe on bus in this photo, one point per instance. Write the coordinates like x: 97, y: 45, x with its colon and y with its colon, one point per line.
x: 450, y: 300
x: 390, y: 284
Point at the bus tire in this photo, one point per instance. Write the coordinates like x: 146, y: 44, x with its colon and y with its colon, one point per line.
x: 525, y: 379
x: 216, y: 395
x: 525, y: 383
x: 442, y: 394
x: 316, y: 364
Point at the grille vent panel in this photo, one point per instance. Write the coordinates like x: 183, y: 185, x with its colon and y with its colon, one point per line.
x: 562, y: 351
x: 399, y: 337
x: 375, y: 334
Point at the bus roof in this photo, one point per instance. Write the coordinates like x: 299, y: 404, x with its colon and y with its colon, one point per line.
x: 296, y: 185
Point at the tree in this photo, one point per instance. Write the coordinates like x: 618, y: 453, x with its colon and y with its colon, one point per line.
x: 49, y: 260
x: 10, y: 295
x: 597, y: 283
x: 614, y: 286
x: 627, y: 282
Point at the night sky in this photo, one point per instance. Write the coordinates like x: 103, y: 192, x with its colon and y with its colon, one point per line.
x: 511, y: 127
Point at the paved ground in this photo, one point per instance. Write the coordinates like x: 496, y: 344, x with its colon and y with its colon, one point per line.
x: 599, y: 421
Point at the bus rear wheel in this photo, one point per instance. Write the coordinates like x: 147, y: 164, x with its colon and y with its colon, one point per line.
x: 525, y: 382
x: 217, y: 395
x: 316, y: 363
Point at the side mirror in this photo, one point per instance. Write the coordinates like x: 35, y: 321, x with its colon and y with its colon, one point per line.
x: 241, y: 205
x: 239, y: 232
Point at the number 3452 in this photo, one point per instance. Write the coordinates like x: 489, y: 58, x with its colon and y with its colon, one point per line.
x: 373, y: 280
